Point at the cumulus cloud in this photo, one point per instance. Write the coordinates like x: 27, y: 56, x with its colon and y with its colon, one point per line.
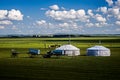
x: 113, y: 11
x: 54, y: 7
x: 81, y: 12
x: 3, y: 14
x: 68, y: 15
x: 117, y: 3
x: 14, y: 27
x: 68, y: 25
x: 64, y: 25
x: 2, y: 27
x: 100, y: 24
x: 89, y: 24
x: 117, y: 23
x: 103, y: 10
x: 118, y: 16
x: 99, y: 18
x: 118, y: 29
x: 97, y: 24
x: 74, y: 25
x: 41, y: 22
x: 110, y: 2
x: 6, y: 22
x: 11, y: 15
x: 15, y: 15
x: 90, y: 12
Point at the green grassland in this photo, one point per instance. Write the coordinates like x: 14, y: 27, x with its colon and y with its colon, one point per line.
x: 59, y: 68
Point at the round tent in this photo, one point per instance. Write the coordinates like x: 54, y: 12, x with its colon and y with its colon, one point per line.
x: 98, y: 51
x: 68, y: 49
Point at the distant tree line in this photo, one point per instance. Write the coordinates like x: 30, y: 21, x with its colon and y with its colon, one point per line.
x: 58, y: 35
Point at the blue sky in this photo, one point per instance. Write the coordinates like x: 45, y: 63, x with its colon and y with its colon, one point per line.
x: 59, y: 16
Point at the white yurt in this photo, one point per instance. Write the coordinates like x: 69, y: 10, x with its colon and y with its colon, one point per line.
x: 98, y: 51
x: 68, y: 50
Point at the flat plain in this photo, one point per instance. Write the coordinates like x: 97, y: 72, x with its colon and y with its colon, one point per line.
x: 59, y: 68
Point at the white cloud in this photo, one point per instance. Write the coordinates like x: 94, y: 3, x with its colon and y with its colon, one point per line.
x: 41, y: 22
x: 104, y: 16
x: 103, y: 9
x: 72, y: 14
x: 117, y: 23
x: 43, y: 8
x: 74, y: 25
x: 62, y: 8
x: 108, y: 16
x: 69, y: 25
x: 110, y: 2
x: 3, y: 14
x: 64, y: 25
x: 14, y: 27
x: 81, y: 12
x: 28, y: 16
x: 89, y: 25
x: 11, y: 15
x: 113, y: 11
x: 2, y: 27
x: 117, y: 3
x: 15, y: 15
x: 6, y: 22
x: 54, y: 7
x: 118, y: 29
x: 90, y: 12
x: 118, y: 16
x: 50, y: 24
x: 99, y: 18
x: 97, y: 24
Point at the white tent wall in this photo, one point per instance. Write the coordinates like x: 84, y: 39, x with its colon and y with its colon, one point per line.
x: 104, y: 53
x: 69, y: 50
x: 77, y: 52
x: 69, y: 53
x: 98, y: 51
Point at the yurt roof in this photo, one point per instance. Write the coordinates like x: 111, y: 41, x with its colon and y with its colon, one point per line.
x: 98, y: 48
x: 67, y: 47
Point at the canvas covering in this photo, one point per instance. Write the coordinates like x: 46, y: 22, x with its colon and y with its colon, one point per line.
x: 98, y: 51
x: 69, y: 50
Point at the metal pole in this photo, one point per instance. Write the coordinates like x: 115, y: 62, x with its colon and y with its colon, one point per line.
x: 69, y: 39
x: 99, y: 41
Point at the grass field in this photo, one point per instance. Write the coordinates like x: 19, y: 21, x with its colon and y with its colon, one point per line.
x: 59, y: 68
